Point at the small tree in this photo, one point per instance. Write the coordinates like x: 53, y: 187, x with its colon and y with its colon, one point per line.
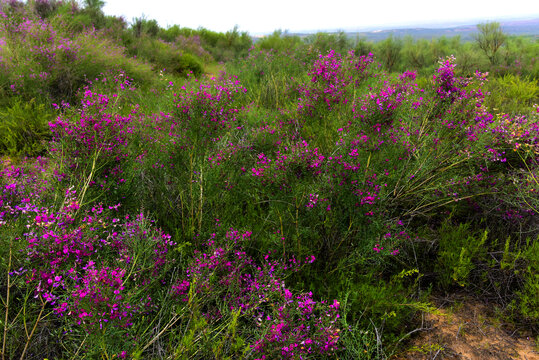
x: 489, y: 39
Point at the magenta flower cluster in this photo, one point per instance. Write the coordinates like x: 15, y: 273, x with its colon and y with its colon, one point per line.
x: 332, y: 77
x: 84, y: 264
x: 294, y: 325
x: 380, y: 103
x: 208, y: 107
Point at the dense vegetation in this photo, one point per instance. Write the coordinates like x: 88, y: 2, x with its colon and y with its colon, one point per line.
x: 180, y: 193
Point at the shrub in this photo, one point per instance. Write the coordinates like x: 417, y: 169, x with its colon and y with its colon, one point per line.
x: 278, y: 41
x: 529, y: 304
x: 42, y: 62
x: 187, y: 64
x: 24, y: 128
x: 271, y: 77
x: 512, y: 93
x: 457, y: 253
x: 224, y: 282
x: 95, y: 275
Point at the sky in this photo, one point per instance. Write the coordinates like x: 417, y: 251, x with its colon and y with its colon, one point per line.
x: 263, y: 17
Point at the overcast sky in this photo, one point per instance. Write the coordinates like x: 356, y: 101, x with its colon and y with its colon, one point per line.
x: 257, y: 17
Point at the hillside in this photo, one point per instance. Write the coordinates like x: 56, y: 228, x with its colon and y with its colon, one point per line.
x: 188, y: 194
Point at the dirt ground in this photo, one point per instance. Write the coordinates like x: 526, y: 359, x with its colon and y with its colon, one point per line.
x: 465, y: 329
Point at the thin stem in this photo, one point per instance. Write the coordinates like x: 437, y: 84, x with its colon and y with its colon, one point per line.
x: 80, y: 347
x: 201, y: 201
x: 87, y: 184
x: 43, y: 303
x: 7, y: 302
x: 171, y: 322
x: 445, y: 203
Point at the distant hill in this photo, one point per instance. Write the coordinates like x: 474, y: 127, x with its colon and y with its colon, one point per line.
x: 513, y: 27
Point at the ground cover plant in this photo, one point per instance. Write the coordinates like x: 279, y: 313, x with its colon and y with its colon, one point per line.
x: 302, y: 203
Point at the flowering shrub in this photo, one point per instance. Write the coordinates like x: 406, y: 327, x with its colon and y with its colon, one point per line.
x: 20, y: 187
x: 449, y: 87
x: 210, y: 107
x: 223, y: 279
x: 97, y: 130
x: 325, y: 158
x: 332, y: 77
x: 380, y: 104
x: 40, y: 60
x: 91, y: 270
x: 91, y: 142
x: 292, y: 162
x: 62, y: 255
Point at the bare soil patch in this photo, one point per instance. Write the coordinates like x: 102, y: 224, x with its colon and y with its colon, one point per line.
x: 465, y: 329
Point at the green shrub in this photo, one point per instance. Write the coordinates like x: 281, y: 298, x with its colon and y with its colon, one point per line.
x: 528, y: 299
x: 279, y: 41
x: 389, y: 52
x: 24, y: 128
x: 513, y: 93
x: 459, y: 248
x: 101, y: 54
x: 186, y: 63
x: 324, y: 42
x: 271, y: 77
x: 165, y: 56
x: 64, y: 63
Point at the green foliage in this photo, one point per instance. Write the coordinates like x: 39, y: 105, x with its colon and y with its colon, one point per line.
x: 222, y: 47
x: 383, y: 303
x: 278, y: 41
x: 416, y: 53
x: 63, y: 65
x: 355, y: 166
x: 516, y: 57
x: 361, y: 343
x: 187, y: 63
x: 469, y: 60
x: 44, y: 9
x: 75, y: 20
x: 271, y: 77
x: 513, y: 93
x: 324, y: 42
x: 142, y: 26
x: 103, y: 55
x: 24, y: 129
x: 165, y: 56
x: 163, y: 46
x: 388, y: 52
x: 528, y: 299
x: 489, y: 39
x: 459, y: 250
x: 363, y: 47
x: 94, y: 4
x: 78, y: 19
x: 172, y: 32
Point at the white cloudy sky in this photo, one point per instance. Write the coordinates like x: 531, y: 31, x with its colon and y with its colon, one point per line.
x: 296, y: 15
